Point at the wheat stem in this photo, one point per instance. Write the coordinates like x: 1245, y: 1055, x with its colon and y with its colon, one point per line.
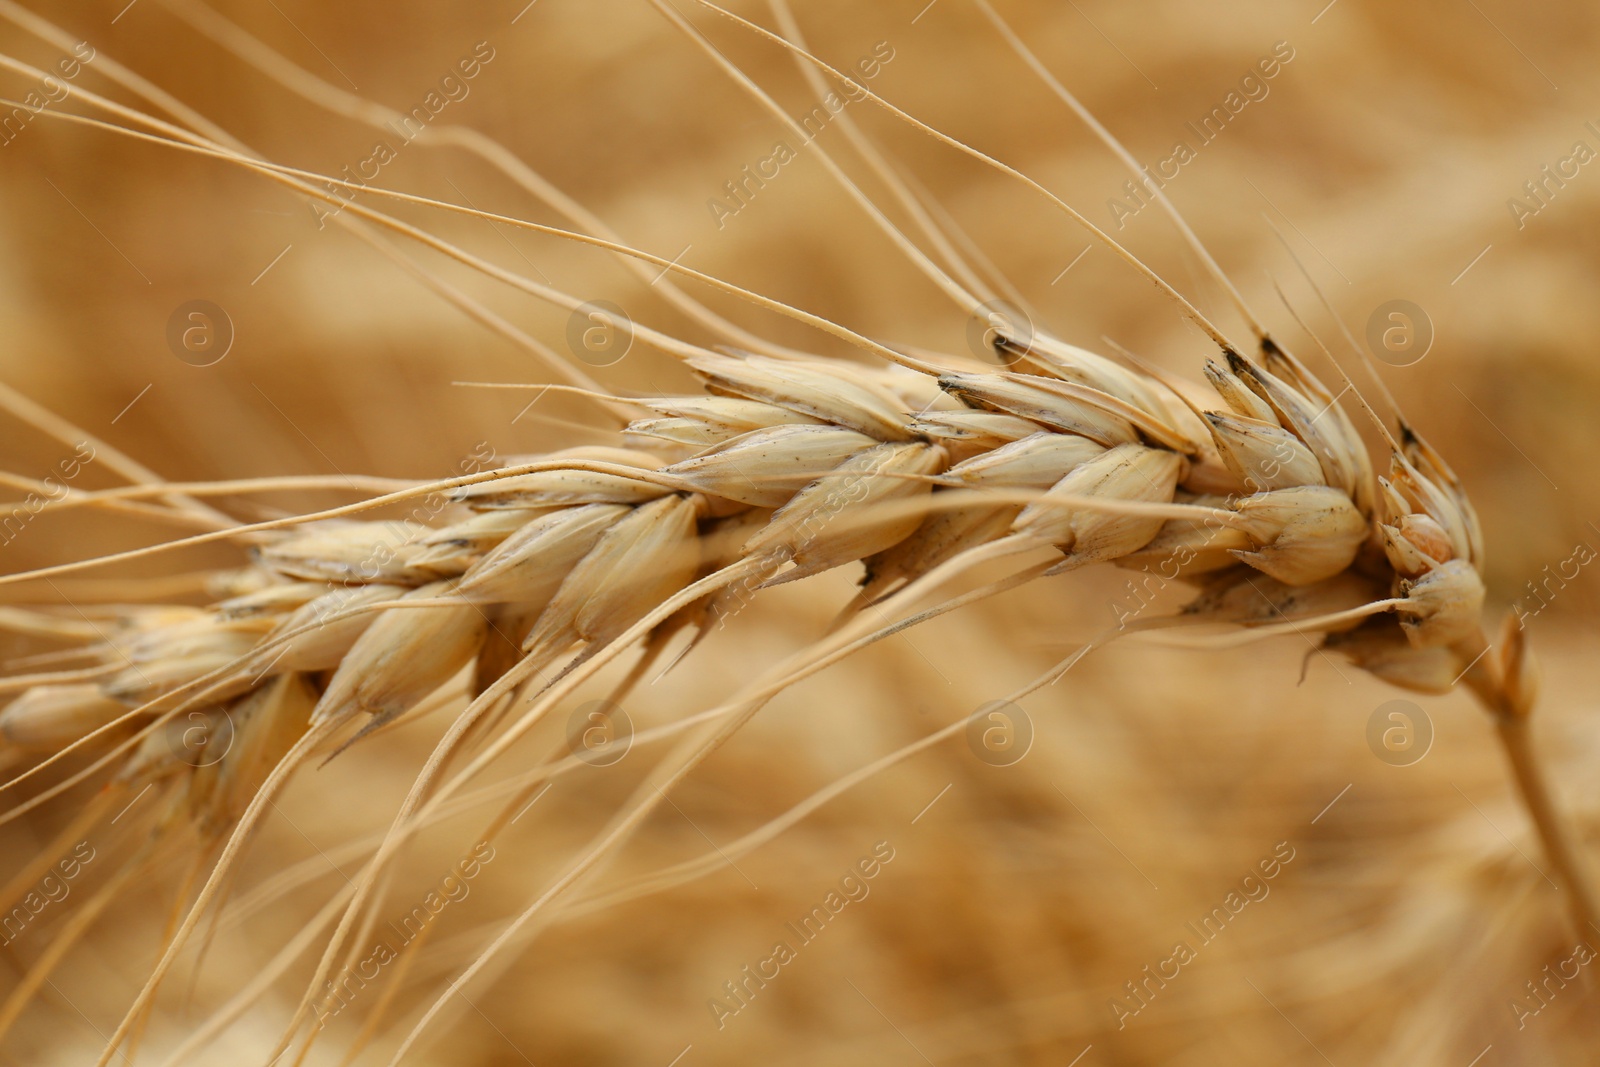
x: 1555, y: 830
x: 1510, y: 705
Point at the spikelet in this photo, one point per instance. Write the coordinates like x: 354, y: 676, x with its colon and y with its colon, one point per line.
x: 1037, y: 461
x: 701, y: 421
x: 1264, y: 455
x: 404, y: 655
x: 1381, y: 648
x: 640, y: 560
x: 559, y: 487
x: 323, y: 630
x: 1127, y: 472
x: 342, y: 551
x: 1335, y: 451
x: 1080, y: 366
x: 1190, y: 548
x: 260, y: 729
x: 1442, y: 607
x: 48, y: 717
x: 456, y: 547
x: 162, y: 660
x: 1435, y: 472
x: 1301, y: 535
x: 1406, y: 491
x: 831, y: 522
x: 764, y: 468
x: 966, y: 432
x: 823, y: 391
x: 1289, y: 368
x: 1030, y: 397
x: 530, y: 565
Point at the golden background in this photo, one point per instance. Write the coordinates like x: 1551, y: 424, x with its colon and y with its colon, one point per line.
x: 1383, y: 155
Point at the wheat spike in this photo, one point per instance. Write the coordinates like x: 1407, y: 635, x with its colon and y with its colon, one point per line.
x: 579, y: 556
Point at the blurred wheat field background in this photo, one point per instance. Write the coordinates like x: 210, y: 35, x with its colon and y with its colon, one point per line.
x: 1010, y: 908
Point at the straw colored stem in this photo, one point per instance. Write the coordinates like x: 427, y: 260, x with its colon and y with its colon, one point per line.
x: 1513, y: 721
x: 1555, y: 831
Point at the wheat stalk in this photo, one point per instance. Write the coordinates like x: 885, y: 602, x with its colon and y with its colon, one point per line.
x: 932, y: 471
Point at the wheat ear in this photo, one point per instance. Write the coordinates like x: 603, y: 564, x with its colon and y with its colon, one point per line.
x: 816, y: 487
